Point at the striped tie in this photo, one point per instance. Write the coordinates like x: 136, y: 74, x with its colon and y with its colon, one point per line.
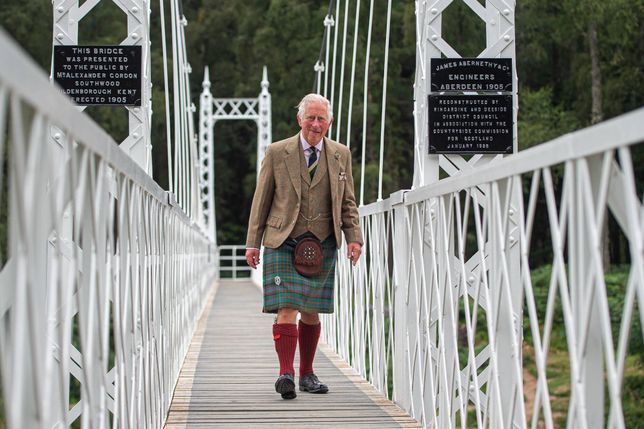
x: 313, y: 161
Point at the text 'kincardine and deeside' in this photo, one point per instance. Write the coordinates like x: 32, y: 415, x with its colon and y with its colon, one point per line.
x: 470, y: 106
x: 99, y: 75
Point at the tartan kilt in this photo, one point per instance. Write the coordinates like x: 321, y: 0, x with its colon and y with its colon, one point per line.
x: 285, y: 287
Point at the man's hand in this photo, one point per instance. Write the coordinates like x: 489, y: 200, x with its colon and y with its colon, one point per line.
x: 252, y: 257
x: 353, y: 252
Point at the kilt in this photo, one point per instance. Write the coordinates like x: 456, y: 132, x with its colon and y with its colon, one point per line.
x: 285, y: 287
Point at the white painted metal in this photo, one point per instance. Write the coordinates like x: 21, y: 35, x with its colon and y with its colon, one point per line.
x: 365, y: 94
x: 236, y: 254
x: 109, y: 313
x: 499, y: 23
x: 498, y: 17
x: 206, y: 158
x: 254, y: 109
x: 68, y: 14
x: 329, y: 22
x: 212, y: 110
x: 338, y: 117
x: 432, y: 309
x: 383, y: 104
x: 265, y: 121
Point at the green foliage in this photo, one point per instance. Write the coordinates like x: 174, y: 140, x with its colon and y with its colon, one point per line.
x: 558, y: 368
x: 236, y: 39
x: 540, y: 120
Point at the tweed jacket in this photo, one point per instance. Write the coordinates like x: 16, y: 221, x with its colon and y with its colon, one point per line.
x: 277, y: 199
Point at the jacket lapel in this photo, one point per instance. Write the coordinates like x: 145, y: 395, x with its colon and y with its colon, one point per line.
x: 304, y: 170
x: 333, y: 158
x: 292, y: 161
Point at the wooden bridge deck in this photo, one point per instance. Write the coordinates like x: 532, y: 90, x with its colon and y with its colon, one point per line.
x: 227, y: 378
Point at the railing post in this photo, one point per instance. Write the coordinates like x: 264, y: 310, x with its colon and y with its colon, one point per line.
x: 580, y: 265
x: 401, y: 253
x: 206, y: 157
x: 506, y: 291
x: 264, y: 126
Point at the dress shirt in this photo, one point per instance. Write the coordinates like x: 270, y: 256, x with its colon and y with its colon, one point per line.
x: 306, y: 146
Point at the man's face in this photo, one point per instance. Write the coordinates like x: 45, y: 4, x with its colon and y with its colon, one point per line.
x: 315, y: 122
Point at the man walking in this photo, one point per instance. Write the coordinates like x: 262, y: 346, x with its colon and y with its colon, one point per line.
x: 304, y: 196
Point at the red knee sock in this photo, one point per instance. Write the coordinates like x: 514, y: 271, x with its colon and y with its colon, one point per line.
x: 285, y: 337
x: 309, y: 335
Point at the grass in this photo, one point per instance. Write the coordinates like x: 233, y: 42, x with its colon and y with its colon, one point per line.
x: 558, y: 361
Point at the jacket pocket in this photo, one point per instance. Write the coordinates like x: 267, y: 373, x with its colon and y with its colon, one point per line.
x: 274, y: 222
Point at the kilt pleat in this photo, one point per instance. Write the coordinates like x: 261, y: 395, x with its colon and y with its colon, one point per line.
x: 286, y: 288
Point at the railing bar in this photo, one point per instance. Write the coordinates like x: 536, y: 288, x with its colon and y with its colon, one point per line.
x: 57, y: 108
x: 624, y: 130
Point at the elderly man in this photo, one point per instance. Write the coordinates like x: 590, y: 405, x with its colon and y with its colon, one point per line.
x: 304, y: 195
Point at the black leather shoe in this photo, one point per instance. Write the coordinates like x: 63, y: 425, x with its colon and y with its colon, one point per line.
x: 310, y: 383
x: 285, y: 386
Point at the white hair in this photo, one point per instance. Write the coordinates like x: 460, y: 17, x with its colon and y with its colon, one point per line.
x: 313, y: 98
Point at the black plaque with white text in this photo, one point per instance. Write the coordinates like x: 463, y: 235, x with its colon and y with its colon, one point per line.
x: 470, y: 123
x: 471, y: 74
x: 99, y: 75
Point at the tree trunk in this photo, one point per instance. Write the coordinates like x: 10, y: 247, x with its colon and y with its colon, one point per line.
x: 596, y: 116
x: 597, y: 112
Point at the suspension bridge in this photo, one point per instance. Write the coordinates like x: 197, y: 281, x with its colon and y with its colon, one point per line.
x: 117, y: 289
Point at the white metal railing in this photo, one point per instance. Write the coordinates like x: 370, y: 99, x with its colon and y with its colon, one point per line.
x: 432, y: 306
x: 104, y: 280
x: 232, y: 262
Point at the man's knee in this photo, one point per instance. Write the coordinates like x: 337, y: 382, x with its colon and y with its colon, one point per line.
x: 286, y: 315
x: 310, y: 318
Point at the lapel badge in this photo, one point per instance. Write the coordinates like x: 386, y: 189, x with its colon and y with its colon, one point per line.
x: 342, y: 176
x: 337, y: 155
x: 278, y: 280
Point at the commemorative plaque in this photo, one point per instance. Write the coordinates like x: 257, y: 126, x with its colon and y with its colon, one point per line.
x: 470, y: 123
x: 471, y: 74
x: 99, y: 75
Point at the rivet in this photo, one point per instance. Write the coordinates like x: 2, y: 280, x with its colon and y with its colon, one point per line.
x: 135, y: 36
x: 434, y: 11
x: 506, y: 12
x: 60, y: 9
x: 57, y: 136
x: 506, y: 38
x: 434, y: 37
x: 135, y: 135
x: 135, y: 9
x: 470, y: 279
x: 492, y: 22
x: 511, y: 212
x: 59, y: 36
x: 512, y: 239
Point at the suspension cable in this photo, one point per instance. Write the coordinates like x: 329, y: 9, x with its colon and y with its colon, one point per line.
x: 384, y: 103
x: 364, y: 103
x: 167, y: 97
x: 316, y: 82
x: 328, y: 23
x: 335, y: 51
x: 343, y: 56
x: 175, y: 89
x: 353, y: 73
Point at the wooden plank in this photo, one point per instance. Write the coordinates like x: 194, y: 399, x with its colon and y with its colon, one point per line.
x: 228, y: 376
